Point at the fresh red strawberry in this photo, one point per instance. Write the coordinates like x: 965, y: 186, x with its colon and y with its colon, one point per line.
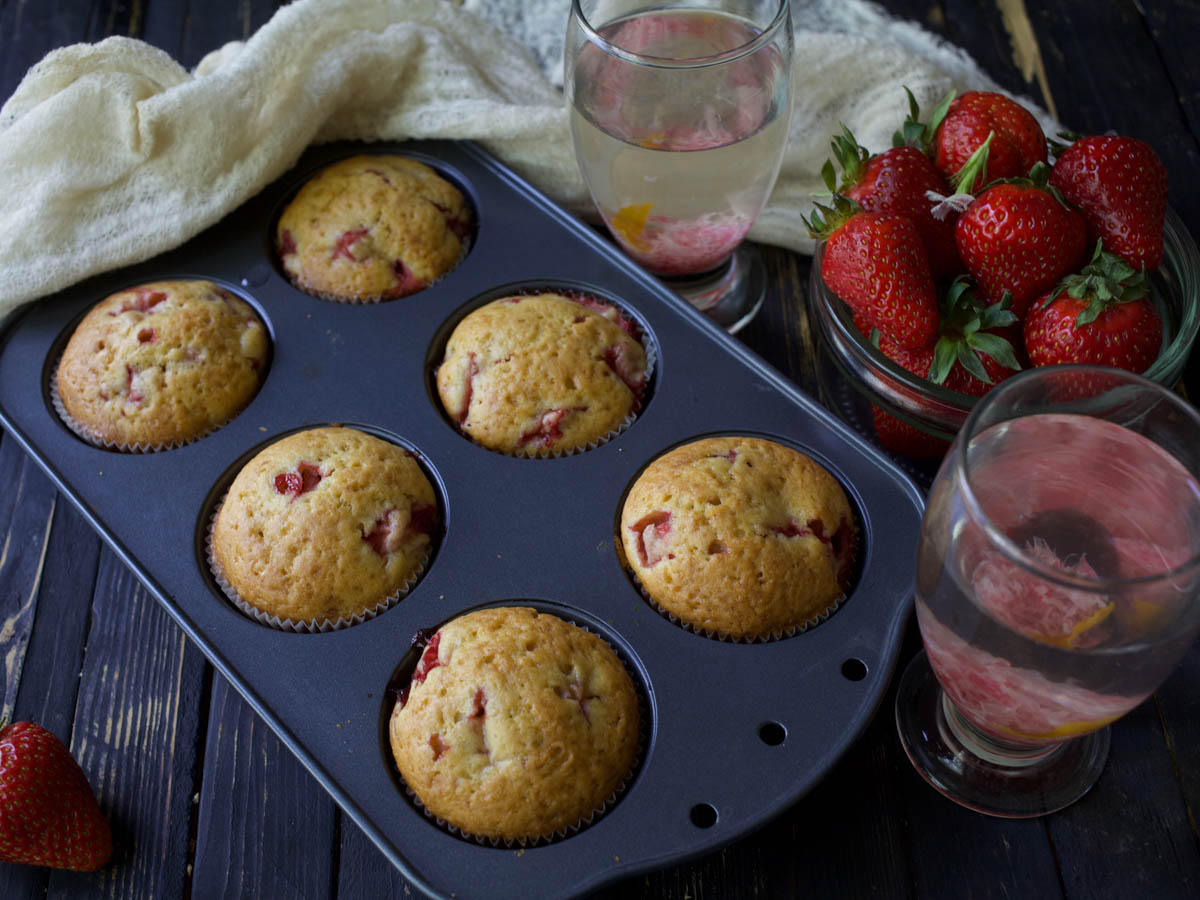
x: 1018, y: 142
x: 48, y: 816
x: 1102, y: 316
x: 973, y: 352
x: 877, y: 264
x: 897, y: 181
x: 959, y: 126
x: 1121, y: 186
x: 1020, y: 236
x: 906, y: 440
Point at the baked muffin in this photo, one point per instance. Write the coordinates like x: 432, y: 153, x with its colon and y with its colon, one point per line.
x: 542, y: 374
x: 372, y: 228
x: 324, y: 526
x: 517, y: 725
x: 739, y: 537
x: 161, y: 364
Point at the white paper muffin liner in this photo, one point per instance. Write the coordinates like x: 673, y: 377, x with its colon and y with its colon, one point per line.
x: 764, y: 638
x: 648, y: 348
x: 303, y: 626
x: 85, y: 434
x: 584, y: 821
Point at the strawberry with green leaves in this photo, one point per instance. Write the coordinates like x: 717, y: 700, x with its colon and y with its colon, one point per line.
x: 972, y: 355
x: 1121, y: 186
x: 48, y: 815
x: 1020, y: 236
x: 973, y: 351
x: 1102, y: 316
x: 898, y: 180
x: 960, y: 125
x: 876, y: 262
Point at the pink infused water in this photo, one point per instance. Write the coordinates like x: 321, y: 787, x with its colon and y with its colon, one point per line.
x: 1056, y: 640
x: 680, y: 161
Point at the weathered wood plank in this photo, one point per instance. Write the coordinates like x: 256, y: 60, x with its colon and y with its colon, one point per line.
x: 1177, y: 705
x: 49, y: 676
x: 779, y: 333
x: 29, y: 30
x: 1173, y: 28
x: 27, y: 503
x: 1130, y: 836
x: 265, y: 828
x: 135, y: 734
x: 212, y: 25
x: 364, y: 872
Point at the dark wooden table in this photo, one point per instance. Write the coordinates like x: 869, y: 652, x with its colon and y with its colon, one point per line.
x: 204, y: 800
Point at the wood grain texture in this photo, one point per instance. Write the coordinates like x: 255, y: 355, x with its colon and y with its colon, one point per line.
x: 136, y: 732
x: 363, y: 871
x: 265, y: 829
x: 26, y: 511
x: 51, y: 587
x: 1131, y: 836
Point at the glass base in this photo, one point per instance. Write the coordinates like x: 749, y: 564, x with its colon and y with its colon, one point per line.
x: 980, y: 773
x: 732, y: 294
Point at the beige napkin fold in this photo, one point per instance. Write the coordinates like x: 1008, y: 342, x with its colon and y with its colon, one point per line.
x: 111, y: 153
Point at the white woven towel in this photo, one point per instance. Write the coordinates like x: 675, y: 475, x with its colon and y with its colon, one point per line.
x: 111, y: 153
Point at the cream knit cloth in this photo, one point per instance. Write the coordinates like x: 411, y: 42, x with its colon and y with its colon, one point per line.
x: 111, y: 153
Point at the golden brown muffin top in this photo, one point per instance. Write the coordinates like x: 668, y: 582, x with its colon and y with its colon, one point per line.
x: 372, y: 228
x: 517, y: 724
x: 161, y: 364
x: 739, y: 537
x: 538, y: 374
x: 324, y: 525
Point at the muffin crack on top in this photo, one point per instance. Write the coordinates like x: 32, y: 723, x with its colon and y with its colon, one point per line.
x: 739, y: 538
x: 542, y: 374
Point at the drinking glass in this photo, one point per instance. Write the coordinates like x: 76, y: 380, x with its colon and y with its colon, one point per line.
x: 1058, y: 583
x: 679, y: 114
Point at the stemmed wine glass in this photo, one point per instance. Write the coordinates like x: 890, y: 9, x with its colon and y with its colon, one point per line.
x: 679, y: 113
x: 1058, y: 583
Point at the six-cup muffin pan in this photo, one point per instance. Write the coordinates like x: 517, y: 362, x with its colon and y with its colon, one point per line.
x: 734, y: 733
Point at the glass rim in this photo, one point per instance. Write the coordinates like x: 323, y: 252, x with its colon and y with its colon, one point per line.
x: 764, y: 37
x: 999, y: 540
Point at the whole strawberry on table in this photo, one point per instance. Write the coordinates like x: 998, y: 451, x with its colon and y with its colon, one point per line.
x: 48, y: 815
x: 962, y: 255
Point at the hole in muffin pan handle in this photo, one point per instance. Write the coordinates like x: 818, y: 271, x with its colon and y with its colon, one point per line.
x: 703, y: 815
x: 854, y: 669
x: 772, y: 733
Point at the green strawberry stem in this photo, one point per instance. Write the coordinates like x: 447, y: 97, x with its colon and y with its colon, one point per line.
x: 1055, y: 148
x: 825, y: 220
x: 1105, y: 281
x: 915, y: 133
x: 974, y: 168
x: 965, y: 332
x: 851, y: 156
x: 962, y: 182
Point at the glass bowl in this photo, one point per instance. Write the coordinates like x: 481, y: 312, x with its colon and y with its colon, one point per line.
x: 852, y: 373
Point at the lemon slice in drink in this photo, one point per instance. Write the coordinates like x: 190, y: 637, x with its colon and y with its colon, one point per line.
x: 630, y: 222
x: 1078, y: 635
x: 1060, y: 732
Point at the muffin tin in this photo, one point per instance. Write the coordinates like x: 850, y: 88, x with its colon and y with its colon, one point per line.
x: 735, y: 733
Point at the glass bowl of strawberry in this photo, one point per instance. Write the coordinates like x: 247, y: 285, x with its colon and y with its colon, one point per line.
x: 974, y: 247
x: 886, y: 392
